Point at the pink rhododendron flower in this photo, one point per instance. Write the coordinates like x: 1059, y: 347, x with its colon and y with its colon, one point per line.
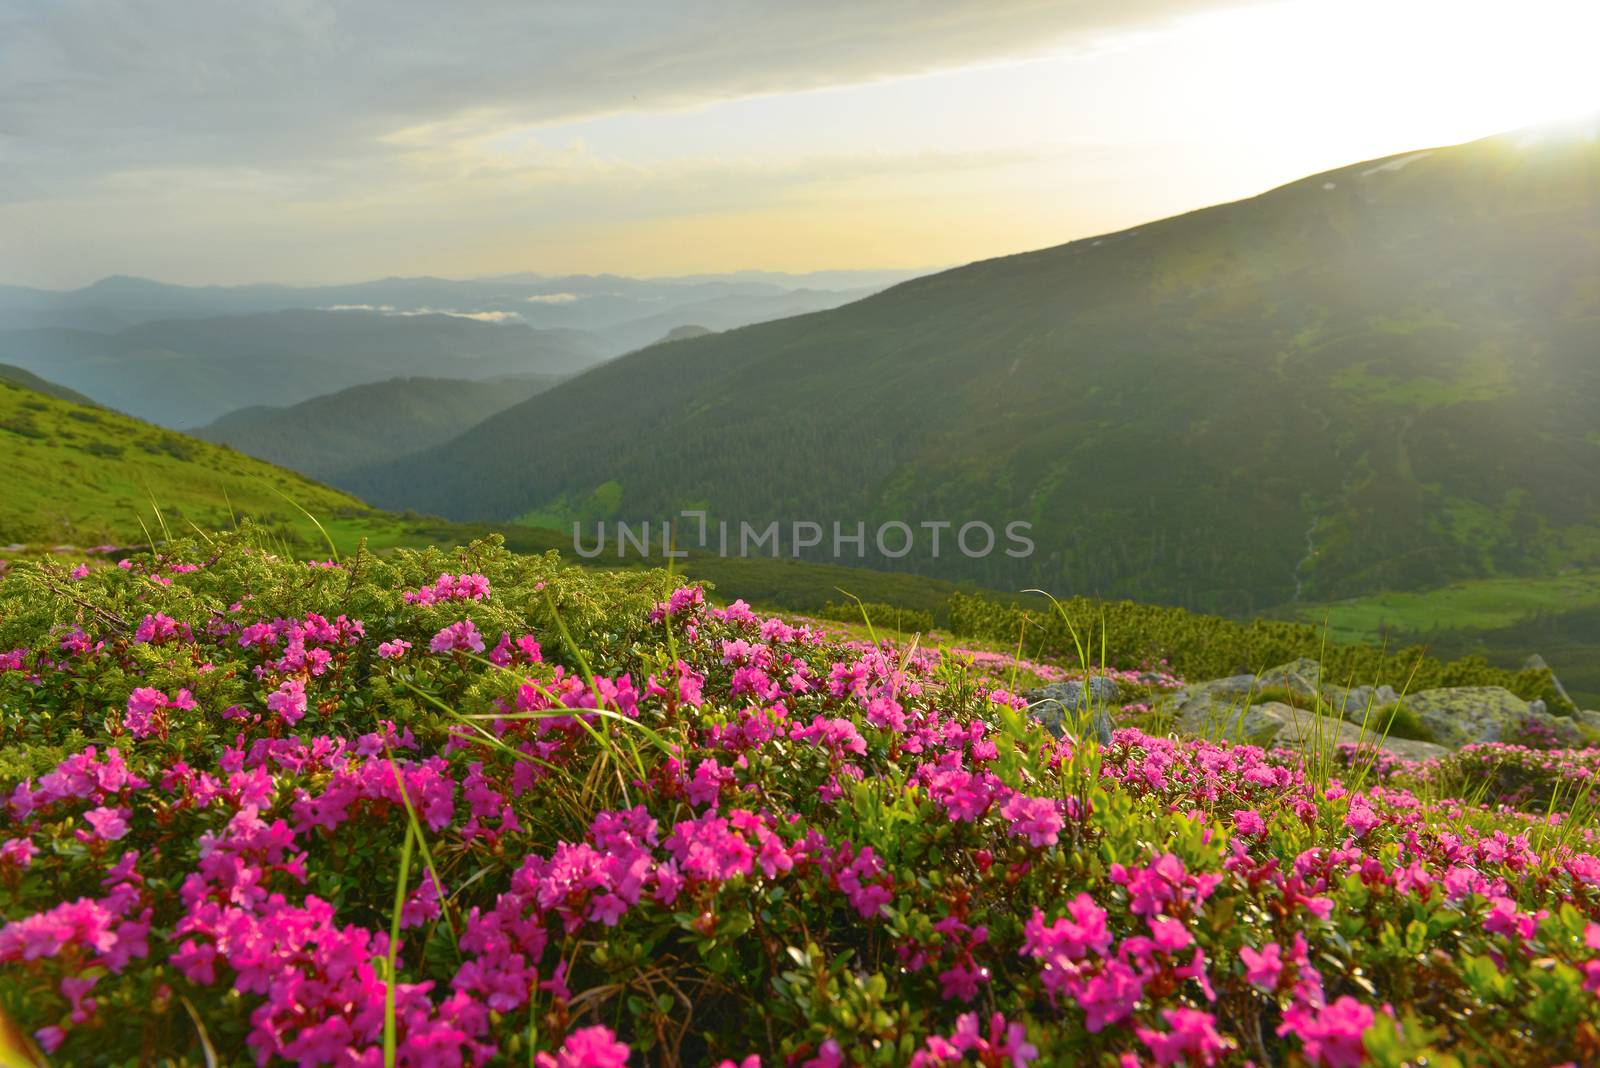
x: 829, y: 1055
x: 18, y: 851
x: 587, y: 1047
x: 108, y: 823
x: 1192, y: 1038
x: 143, y: 704
x: 1361, y: 818
x: 1003, y: 1044
x: 1249, y: 822
x: 462, y: 637
x: 1331, y: 1035
x: 1033, y: 818
x: 1262, y: 968
x: 288, y: 701
x: 451, y: 588
x: 1504, y: 919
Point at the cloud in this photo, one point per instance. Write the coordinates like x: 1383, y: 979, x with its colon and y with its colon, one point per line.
x: 91, y: 89
x: 390, y: 309
x: 323, y: 140
x: 554, y: 298
x: 481, y: 316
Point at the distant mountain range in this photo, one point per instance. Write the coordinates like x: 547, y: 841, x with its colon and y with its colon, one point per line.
x: 186, y: 372
x: 327, y: 436
x: 184, y: 355
x: 1384, y: 376
x: 603, y: 303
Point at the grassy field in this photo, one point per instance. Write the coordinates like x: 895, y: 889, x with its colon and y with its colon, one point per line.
x: 1486, y: 604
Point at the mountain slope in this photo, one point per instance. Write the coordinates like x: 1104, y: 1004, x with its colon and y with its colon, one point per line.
x: 84, y: 475
x: 87, y: 475
x: 1382, y: 376
x: 28, y: 380
x: 187, y: 372
x: 725, y: 313
x: 326, y: 436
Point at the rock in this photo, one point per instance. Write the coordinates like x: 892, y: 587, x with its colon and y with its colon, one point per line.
x: 1215, y: 717
x: 1307, y: 731
x: 1234, y: 684
x: 1237, y: 687
x: 1464, y: 715
x: 1300, y: 677
x: 1538, y: 663
x: 1589, y: 718
x: 1061, y: 703
x: 1411, y: 749
x: 1352, y: 704
x: 1075, y: 695
x: 1226, y: 710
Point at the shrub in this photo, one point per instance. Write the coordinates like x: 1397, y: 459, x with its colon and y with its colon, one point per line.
x: 103, y: 448
x: 885, y: 617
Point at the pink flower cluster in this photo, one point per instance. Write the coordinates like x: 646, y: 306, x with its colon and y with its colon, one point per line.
x: 762, y: 810
x: 449, y: 587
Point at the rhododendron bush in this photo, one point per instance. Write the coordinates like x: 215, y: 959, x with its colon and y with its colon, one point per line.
x: 470, y: 808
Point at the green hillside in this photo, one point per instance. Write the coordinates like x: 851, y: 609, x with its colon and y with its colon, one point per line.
x: 1381, y: 377
x: 327, y: 436
x: 1504, y: 620
x: 86, y: 475
x: 28, y: 380
x: 1485, y: 604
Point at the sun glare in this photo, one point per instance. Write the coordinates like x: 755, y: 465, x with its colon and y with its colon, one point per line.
x: 1407, y: 72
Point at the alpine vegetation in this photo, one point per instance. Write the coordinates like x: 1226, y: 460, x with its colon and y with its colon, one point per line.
x: 470, y: 808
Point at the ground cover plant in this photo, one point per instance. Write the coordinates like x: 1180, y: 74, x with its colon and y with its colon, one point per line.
x: 464, y: 808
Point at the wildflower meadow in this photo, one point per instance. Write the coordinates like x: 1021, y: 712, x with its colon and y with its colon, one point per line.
x: 472, y: 808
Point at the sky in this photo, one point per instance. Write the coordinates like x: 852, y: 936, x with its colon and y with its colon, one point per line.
x: 310, y: 141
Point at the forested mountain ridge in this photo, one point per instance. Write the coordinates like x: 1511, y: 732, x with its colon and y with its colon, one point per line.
x: 1380, y: 376
x: 327, y: 436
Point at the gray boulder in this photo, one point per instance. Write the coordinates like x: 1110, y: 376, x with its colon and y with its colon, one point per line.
x: 1301, y: 677
x: 1310, y: 732
x: 1352, y: 704
x: 1235, y: 687
x: 1465, y: 715
x: 1064, y: 705
x: 1538, y: 663
x: 1216, y: 717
